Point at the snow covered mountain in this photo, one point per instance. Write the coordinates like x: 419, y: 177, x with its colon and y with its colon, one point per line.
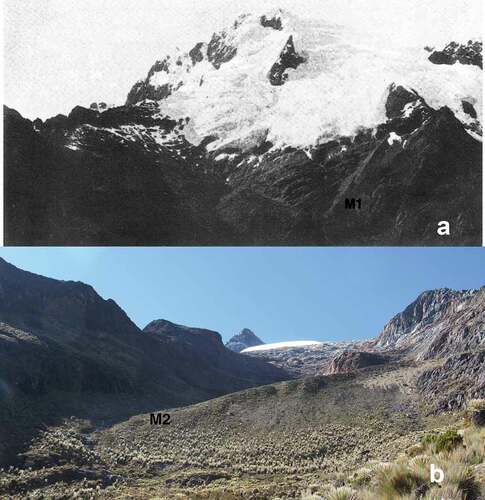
x: 276, y: 78
x: 263, y: 134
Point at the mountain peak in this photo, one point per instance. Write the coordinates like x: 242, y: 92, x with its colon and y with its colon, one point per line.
x: 325, y: 77
x: 182, y: 332
x: 61, y: 308
x: 246, y: 338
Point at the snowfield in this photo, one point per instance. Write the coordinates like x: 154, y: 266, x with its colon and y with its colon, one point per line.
x: 283, y: 345
x: 341, y: 88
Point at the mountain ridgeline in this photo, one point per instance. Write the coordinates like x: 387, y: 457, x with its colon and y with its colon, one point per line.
x: 261, y: 135
x: 63, y: 349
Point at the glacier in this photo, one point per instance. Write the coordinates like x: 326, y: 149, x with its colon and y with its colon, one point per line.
x: 339, y: 89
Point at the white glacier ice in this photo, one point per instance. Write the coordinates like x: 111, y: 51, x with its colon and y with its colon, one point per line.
x: 341, y: 88
x: 283, y: 345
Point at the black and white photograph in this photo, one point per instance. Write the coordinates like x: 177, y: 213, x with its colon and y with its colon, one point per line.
x: 188, y: 123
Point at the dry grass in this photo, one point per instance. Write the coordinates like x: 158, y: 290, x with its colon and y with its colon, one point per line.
x: 259, y: 444
x: 409, y: 478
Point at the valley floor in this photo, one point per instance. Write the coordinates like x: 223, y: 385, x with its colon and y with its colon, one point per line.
x: 310, y: 438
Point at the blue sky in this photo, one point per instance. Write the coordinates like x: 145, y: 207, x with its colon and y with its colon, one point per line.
x: 280, y: 293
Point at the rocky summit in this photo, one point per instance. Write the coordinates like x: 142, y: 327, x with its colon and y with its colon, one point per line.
x: 276, y: 130
x: 246, y: 338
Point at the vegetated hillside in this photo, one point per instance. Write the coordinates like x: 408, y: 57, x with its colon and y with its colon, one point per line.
x: 305, y: 425
x: 64, y: 351
x: 266, y: 442
x: 259, y: 136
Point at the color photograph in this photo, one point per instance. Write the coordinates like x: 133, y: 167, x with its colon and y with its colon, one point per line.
x: 319, y: 374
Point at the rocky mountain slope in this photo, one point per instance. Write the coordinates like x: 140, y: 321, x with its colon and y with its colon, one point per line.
x: 66, y: 351
x: 246, y: 338
x: 438, y: 323
x: 350, y: 361
x: 443, y: 325
x: 259, y: 136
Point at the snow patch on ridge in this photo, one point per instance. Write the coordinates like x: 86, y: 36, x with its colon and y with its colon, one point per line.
x: 283, y: 345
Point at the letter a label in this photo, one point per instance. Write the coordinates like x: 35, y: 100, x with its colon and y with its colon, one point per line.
x: 443, y: 228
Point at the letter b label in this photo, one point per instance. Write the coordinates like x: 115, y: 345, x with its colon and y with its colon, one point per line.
x: 437, y: 474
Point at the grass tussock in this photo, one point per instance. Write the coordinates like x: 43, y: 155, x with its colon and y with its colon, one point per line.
x: 409, y: 478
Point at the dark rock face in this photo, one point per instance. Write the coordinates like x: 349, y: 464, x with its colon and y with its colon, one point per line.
x: 288, y: 58
x: 68, y: 315
x: 459, y: 379
x: 398, y: 98
x: 428, y: 139
x: 80, y: 115
x: 469, y: 109
x: 446, y: 326
x: 197, y: 338
x: 246, y: 338
x: 403, y: 184
x: 57, y: 195
x: 37, y: 124
x: 426, y: 309
x: 98, y: 106
x: 273, y: 22
x: 350, y: 361
x: 219, y: 51
x: 471, y: 53
x: 62, y: 336
x: 196, y: 54
x: 145, y: 90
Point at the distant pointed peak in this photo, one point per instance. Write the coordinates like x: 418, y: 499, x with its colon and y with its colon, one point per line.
x: 244, y: 339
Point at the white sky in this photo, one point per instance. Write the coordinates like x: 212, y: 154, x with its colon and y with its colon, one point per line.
x: 60, y: 53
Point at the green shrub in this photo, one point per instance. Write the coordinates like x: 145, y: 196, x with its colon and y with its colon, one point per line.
x: 445, y: 441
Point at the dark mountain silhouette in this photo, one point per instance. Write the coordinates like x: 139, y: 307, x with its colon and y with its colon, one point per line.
x: 63, y: 349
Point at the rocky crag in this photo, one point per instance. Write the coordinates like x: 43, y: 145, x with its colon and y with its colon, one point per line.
x: 246, y: 338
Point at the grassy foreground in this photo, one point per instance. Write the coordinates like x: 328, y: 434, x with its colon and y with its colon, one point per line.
x: 74, y: 460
